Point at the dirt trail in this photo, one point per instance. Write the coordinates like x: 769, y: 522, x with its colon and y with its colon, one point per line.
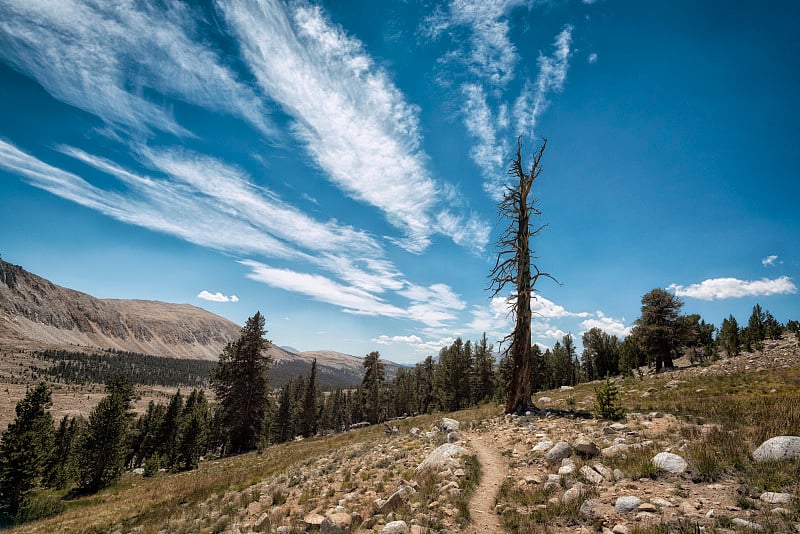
x: 495, y: 469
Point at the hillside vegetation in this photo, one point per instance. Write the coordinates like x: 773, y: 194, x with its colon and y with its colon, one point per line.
x: 714, y: 416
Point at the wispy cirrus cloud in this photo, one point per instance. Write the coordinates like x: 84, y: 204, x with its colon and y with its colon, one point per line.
x: 216, y: 297
x: 433, y: 306
x: 356, y: 125
x: 769, y: 261
x: 105, y: 57
x: 480, y: 33
x: 725, y: 288
x: 490, y: 53
x: 534, y: 99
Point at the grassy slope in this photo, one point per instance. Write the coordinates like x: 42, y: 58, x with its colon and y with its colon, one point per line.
x: 749, y: 407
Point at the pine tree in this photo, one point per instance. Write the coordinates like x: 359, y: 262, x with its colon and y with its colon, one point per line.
x: 729, y: 336
x: 483, y: 372
x: 169, y: 429
x: 658, y: 326
x: 103, y: 446
x: 26, y: 447
x: 283, y: 418
x: 310, y: 414
x: 373, y: 387
x: 61, y: 467
x: 192, y: 438
x: 241, y: 383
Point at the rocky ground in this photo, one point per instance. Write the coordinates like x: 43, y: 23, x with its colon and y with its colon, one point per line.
x: 557, y: 471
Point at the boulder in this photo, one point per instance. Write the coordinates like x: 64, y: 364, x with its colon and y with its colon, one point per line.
x: 443, y: 457
x: 586, y: 447
x: 669, y: 462
x: 558, y: 452
x: 395, y: 527
x: 591, y: 475
x: 770, y: 497
x: 336, y: 523
x: 544, y: 445
x: 627, y: 503
x: 449, y: 425
x: 589, y: 509
x: 544, y: 400
x: 396, y: 500
x: 454, y: 437
x: 744, y: 523
x: 777, y: 449
x: 313, y: 520
x: 573, y: 494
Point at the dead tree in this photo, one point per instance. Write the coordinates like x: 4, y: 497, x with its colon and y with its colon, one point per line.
x: 514, y: 265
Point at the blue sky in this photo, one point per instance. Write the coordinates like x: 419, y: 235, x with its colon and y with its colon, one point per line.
x: 336, y: 165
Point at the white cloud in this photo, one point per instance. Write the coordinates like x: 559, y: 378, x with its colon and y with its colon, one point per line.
x: 592, y: 57
x: 607, y: 324
x: 552, y: 74
x: 323, y: 289
x: 386, y: 340
x: 353, y: 121
x: 769, y: 260
x: 216, y: 297
x: 725, y: 288
x: 543, y: 307
x: 102, y: 57
x: 491, y: 55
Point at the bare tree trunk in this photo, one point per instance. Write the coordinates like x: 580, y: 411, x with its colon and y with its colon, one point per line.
x: 514, y: 265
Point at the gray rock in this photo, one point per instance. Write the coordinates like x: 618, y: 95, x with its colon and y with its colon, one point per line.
x: 566, y: 469
x: 776, y: 498
x: 553, y: 482
x: 669, y: 462
x: 395, y: 527
x: 544, y: 445
x: 658, y: 501
x: 618, y: 474
x: 559, y: 451
x: 604, y: 471
x: 591, y: 475
x: 544, y: 400
x: 614, y: 450
x: 586, y: 447
x: 396, y: 500
x: 336, y: 523
x: 619, y: 528
x: 778, y: 448
x: 744, y: 523
x: 443, y: 457
x: 283, y: 529
x: 627, y: 503
x: 588, y: 509
x: 449, y: 425
x: 573, y: 494
x: 453, y: 437
x: 261, y: 523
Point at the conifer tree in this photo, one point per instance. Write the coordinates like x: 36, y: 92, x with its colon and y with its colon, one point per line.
x: 192, y: 438
x: 373, y: 387
x: 26, y: 446
x: 482, y: 372
x: 659, y: 334
x: 170, y: 426
x: 310, y: 414
x: 61, y: 467
x: 729, y: 336
x: 283, y: 418
x: 103, y: 446
x: 241, y: 383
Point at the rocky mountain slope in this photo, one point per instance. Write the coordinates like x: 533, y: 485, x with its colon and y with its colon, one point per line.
x: 36, y: 314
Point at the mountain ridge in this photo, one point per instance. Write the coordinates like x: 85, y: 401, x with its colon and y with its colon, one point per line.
x: 36, y: 314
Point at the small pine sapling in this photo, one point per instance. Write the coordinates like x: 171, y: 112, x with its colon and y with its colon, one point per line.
x: 607, y: 402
